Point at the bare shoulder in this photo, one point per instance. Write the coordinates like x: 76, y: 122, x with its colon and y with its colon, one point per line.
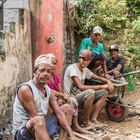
x: 25, y: 93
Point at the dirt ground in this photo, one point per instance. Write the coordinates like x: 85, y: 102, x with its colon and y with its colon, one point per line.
x: 129, y: 129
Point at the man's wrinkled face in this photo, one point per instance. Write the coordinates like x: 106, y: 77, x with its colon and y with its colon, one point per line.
x: 113, y: 53
x: 84, y: 62
x: 96, y: 37
x: 42, y: 73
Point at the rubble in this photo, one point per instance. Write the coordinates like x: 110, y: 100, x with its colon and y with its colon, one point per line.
x: 125, y: 130
x: 5, y: 132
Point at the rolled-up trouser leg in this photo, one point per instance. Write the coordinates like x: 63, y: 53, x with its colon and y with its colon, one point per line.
x: 82, y: 96
x: 85, y: 100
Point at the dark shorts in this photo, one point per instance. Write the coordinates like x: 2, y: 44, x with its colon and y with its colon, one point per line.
x: 51, y: 125
x: 82, y: 97
x: 99, y: 94
x: 23, y: 134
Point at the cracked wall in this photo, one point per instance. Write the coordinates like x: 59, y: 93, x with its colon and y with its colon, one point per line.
x: 15, y: 64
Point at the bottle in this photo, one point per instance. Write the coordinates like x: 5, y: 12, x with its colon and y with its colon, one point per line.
x: 130, y: 86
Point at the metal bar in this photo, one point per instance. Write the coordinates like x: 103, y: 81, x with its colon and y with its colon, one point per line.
x: 123, y: 105
x: 129, y: 73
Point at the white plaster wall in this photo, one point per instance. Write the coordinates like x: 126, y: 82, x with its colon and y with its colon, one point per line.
x: 16, y: 64
x: 17, y: 4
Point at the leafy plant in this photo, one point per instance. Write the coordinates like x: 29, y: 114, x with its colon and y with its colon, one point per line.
x: 120, y: 20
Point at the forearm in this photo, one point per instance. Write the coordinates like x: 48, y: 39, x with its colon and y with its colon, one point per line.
x: 64, y: 123
x: 118, y: 68
x: 102, y: 79
x: 58, y: 94
x: 59, y: 88
x: 94, y: 87
x: 111, y: 71
x: 104, y: 68
x: 60, y: 115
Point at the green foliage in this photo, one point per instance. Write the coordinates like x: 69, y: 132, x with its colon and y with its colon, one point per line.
x: 84, y: 12
x: 134, y: 7
x: 132, y: 49
x: 111, y: 14
x: 120, y: 20
x: 106, y: 13
x: 136, y: 25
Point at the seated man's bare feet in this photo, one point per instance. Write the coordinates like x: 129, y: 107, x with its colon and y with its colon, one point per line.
x: 97, y: 123
x: 80, y: 130
x: 88, y: 126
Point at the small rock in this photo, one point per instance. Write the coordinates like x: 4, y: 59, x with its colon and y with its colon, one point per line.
x: 139, y: 126
x: 106, y: 138
x: 137, y: 105
x: 131, y: 138
x: 129, y: 133
x: 117, y: 131
x: 115, y: 138
x: 138, y: 135
x: 99, y: 131
x: 138, y: 118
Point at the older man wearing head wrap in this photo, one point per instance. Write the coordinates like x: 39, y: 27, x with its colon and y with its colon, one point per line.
x: 30, y: 119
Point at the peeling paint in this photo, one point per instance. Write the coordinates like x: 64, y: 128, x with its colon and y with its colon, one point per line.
x: 49, y: 22
x: 11, y: 15
x: 17, y: 4
x: 10, y: 68
x: 50, y: 17
x: 16, y: 66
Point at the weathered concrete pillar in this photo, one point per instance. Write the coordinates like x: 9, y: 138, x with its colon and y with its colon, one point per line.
x: 47, y: 31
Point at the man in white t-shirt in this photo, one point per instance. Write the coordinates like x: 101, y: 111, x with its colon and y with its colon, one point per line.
x: 86, y: 95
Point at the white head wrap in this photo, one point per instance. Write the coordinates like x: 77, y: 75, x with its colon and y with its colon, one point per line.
x: 42, y: 59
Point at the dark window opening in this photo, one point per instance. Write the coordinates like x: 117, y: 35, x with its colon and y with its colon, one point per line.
x: 1, y: 14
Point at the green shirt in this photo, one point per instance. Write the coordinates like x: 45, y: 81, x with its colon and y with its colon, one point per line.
x: 87, y: 44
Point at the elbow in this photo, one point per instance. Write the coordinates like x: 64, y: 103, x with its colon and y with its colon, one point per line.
x: 81, y: 88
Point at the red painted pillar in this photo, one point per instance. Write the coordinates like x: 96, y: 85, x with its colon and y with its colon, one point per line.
x: 49, y: 35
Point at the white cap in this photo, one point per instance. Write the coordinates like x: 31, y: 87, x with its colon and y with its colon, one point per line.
x: 98, y: 29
